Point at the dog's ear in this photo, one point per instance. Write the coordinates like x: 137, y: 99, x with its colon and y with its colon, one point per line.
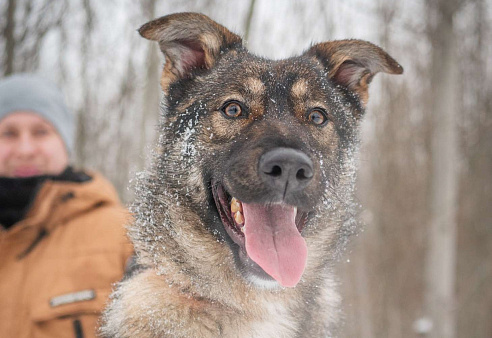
x: 189, y: 41
x: 353, y: 63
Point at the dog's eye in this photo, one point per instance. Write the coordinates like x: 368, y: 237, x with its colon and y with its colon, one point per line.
x: 317, y: 116
x: 232, y: 109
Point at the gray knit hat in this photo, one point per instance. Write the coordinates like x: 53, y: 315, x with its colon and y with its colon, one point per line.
x: 28, y: 92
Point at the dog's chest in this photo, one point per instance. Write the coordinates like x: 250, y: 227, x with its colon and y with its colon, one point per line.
x: 274, y: 320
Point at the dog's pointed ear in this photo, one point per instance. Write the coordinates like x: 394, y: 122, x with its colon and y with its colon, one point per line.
x: 353, y: 63
x: 189, y: 41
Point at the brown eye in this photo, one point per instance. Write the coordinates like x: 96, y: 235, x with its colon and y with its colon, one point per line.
x: 232, y: 109
x: 318, y: 117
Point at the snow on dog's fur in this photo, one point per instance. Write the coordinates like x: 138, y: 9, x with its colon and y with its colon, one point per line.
x: 239, y: 215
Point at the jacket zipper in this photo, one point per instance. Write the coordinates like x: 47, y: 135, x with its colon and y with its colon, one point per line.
x: 42, y: 234
x: 77, y: 327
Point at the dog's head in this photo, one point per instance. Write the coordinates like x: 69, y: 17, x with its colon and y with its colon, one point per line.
x: 255, y: 165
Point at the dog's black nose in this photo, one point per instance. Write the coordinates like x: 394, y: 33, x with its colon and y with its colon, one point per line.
x: 286, y: 170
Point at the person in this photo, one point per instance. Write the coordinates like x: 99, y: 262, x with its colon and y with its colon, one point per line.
x: 62, y: 235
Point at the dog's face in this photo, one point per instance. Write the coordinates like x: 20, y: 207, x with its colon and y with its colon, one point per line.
x: 255, y: 154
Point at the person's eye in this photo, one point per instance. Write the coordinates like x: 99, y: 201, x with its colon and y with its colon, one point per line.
x: 41, y: 132
x: 8, y: 134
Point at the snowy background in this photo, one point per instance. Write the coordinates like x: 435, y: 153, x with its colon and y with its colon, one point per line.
x: 421, y: 267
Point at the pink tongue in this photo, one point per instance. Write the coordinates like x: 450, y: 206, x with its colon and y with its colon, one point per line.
x: 274, y: 243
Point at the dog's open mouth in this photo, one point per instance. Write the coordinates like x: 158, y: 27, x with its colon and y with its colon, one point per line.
x: 270, y: 235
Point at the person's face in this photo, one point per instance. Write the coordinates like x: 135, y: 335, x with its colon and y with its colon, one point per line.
x: 30, y: 146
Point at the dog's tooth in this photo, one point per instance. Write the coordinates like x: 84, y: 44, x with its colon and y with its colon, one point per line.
x: 295, y: 211
x: 236, y: 205
x: 238, y: 217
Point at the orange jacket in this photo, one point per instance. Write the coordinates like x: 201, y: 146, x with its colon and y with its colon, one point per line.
x: 58, y: 264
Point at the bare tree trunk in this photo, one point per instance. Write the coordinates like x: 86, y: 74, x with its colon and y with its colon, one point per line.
x: 8, y: 34
x: 83, y: 116
x: 440, y: 265
x: 150, y: 107
x: 249, y: 18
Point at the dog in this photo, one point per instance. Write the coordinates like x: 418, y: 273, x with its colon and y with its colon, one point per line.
x: 238, y: 217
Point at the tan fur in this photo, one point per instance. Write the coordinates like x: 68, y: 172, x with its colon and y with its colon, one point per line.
x: 299, y: 89
x: 139, y: 313
x: 255, y: 86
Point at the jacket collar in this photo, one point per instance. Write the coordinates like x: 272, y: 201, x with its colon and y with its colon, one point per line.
x: 59, y: 201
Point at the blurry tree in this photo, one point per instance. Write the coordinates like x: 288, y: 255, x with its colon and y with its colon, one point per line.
x: 25, y: 25
x: 426, y: 182
x: 151, y: 90
x: 8, y: 34
x: 474, y: 268
x: 84, y: 117
x: 440, y: 263
x: 249, y: 18
x: 382, y: 282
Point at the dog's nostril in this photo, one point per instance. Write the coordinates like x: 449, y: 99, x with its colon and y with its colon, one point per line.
x: 276, y: 171
x: 304, y: 174
x: 301, y: 175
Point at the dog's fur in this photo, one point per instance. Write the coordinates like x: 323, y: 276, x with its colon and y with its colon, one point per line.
x: 194, y: 280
